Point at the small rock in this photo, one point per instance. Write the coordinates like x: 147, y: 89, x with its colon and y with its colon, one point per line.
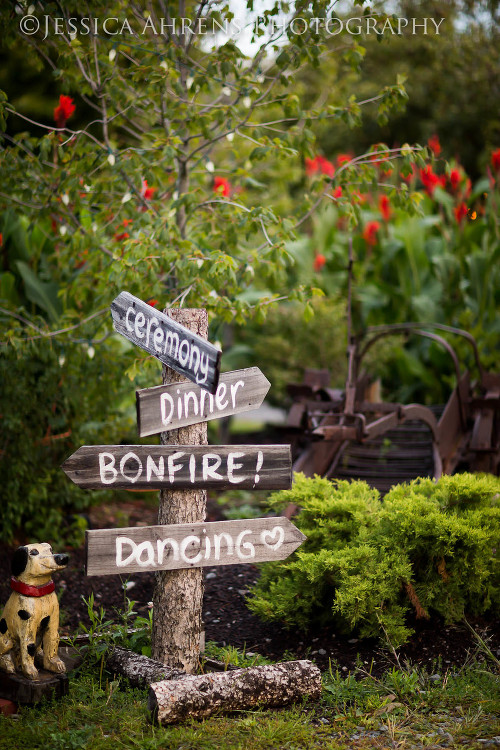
x: 211, y: 575
x: 321, y: 651
x: 435, y: 677
x: 352, y: 640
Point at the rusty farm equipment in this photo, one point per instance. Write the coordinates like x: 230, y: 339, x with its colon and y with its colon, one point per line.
x: 352, y: 434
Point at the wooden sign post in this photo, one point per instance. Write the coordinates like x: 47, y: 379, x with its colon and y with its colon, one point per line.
x: 182, y: 467
x: 178, y: 594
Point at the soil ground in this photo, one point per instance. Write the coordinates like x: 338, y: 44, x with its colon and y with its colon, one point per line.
x: 228, y: 621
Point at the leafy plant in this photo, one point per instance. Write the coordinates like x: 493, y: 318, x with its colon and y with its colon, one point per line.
x: 429, y: 548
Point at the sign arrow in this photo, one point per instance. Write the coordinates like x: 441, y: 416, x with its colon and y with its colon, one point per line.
x: 171, y: 343
x: 166, y: 407
x: 196, y: 545
x: 153, y: 467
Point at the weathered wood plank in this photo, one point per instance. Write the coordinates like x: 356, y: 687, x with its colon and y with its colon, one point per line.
x: 164, y: 338
x: 167, y: 407
x: 197, y: 545
x: 150, y: 467
x: 199, y: 696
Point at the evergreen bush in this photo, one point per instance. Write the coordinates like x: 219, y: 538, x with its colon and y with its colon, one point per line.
x: 428, y: 547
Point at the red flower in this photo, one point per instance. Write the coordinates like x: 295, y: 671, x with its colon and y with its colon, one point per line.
x: 460, y: 212
x: 434, y: 144
x: 319, y: 165
x: 495, y: 160
x: 64, y: 110
x: 153, y: 302
x: 147, y: 192
x: 1, y: 239
x: 431, y: 180
x: 411, y: 176
x: 325, y: 166
x: 319, y: 261
x: 222, y: 186
x: 385, y: 207
x: 455, y: 178
x: 311, y: 166
x: 119, y: 236
x: 343, y: 159
x: 370, y: 232
x: 337, y: 193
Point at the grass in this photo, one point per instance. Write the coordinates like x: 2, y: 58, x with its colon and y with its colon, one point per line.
x: 406, y: 708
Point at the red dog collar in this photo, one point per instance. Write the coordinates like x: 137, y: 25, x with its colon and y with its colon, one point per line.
x: 26, y: 590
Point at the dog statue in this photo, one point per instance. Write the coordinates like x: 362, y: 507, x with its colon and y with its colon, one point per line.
x: 29, y: 626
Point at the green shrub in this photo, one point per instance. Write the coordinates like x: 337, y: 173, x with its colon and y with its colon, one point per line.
x: 428, y: 547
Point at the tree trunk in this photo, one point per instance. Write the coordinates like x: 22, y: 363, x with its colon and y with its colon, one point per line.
x: 178, y: 594
x: 241, y: 689
x: 139, y: 670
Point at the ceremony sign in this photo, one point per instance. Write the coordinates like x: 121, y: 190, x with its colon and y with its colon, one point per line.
x: 171, y: 343
x: 197, y: 545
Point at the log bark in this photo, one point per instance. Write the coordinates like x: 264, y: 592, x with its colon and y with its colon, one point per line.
x: 241, y: 689
x: 139, y: 670
x: 178, y: 594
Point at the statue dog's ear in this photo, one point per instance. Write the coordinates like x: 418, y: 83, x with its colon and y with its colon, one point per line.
x: 19, y: 561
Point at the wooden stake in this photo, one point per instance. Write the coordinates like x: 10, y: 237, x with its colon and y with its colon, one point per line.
x: 178, y: 594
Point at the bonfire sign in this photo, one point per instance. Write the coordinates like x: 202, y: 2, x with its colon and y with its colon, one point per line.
x: 154, y: 467
x: 166, y: 407
x: 171, y: 343
x: 197, y: 545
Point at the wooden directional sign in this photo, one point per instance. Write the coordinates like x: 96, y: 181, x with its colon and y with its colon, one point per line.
x: 197, y: 545
x: 152, y: 467
x: 168, y: 341
x: 166, y: 407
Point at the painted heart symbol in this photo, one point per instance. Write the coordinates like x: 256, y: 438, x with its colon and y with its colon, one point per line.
x: 271, y: 534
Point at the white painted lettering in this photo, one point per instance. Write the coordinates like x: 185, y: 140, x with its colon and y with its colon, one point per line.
x: 158, y: 340
x: 192, y: 366
x: 152, y: 468
x: 210, y: 471
x: 190, y: 395
x: 248, y: 545
x: 192, y: 467
x: 204, y: 368
x: 204, y: 395
x: 184, y: 358
x: 107, y: 468
x: 148, y: 328
x: 119, y: 544
x: 232, y: 466
x: 166, y: 401
x: 173, y: 467
x: 195, y: 540
x: 128, y: 326
x: 160, y: 549
x: 127, y: 457
x: 220, y: 395
x: 218, y: 538
x: 139, y: 322
x: 171, y: 338
x: 234, y: 389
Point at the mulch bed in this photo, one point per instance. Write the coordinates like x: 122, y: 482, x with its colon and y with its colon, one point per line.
x: 228, y: 621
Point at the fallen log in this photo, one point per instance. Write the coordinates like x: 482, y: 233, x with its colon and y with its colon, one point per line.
x: 198, y: 696
x: 138, y: 669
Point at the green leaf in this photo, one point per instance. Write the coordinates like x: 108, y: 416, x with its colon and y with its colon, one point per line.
x: 43, y: 294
